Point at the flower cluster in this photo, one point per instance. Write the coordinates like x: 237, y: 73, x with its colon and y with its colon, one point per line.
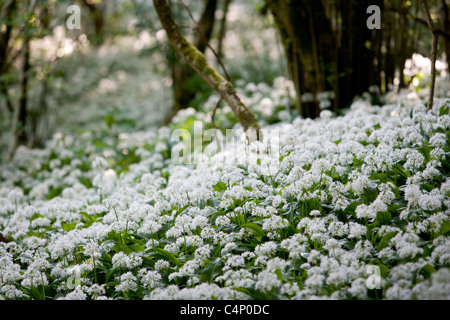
x: 370, y: 188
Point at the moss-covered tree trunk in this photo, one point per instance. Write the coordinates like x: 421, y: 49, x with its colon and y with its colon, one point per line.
x: 198, y: 62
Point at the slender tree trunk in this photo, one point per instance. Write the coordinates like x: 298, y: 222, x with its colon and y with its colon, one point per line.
x: 198, y: 62
x: 433, y: 51
x: 7, y: 11
x: 403, y: 11
x: 98, y: 17
x: 223, y: 28
x: 181, y: 72
x: 19, y: 134
x: 302, y: 26
x: 445, y: 18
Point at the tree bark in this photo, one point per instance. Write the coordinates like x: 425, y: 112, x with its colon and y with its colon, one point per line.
x: 19, y: 133
x: 445, y: 20
x: 98, y: 17
x: 322, y: 57
x: 7, y: 11
x: 223, y: 28
x: 181, y: 73
x: 403, y: 11
x: 433, y: 51
x: 198, y: 62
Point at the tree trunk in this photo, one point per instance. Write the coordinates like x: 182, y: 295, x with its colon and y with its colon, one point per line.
x: 307, y: 37
x: 322, y: 59
x: 7, y: 11
x: 19, y: 134
x: 198, y: 62
x: 434, y: 47
x: 445, y: 21
x: 403, y: 11
x: 181, y: 72
x: 98, y: 17
x: 223, y: 28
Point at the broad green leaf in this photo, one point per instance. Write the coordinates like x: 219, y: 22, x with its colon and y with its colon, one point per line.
x: 279, y: 274
x: 384, y: 218
x: 212, y: 270
x: 384, y: 241
x: 220, y: 186
x: 68, y: 226
x: 36, y: 215
x: 109, y: 274
x: 90, y: 219
x: 445, y: 110
x: 111, y: 284
x: 137, y: 247
x: 167, y: 255
x: 109, y: 120
x: 428, y: 270
x: 119, y: 247
x: 256, y: 228
x: 445, y: 227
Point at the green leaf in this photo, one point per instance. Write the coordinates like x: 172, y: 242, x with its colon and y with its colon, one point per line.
x: 220, y: 186
x: 90, y: 219
x: 109, y: 274
x: 137, y: 247
x: 68, y: 226
x: 384, y: 241
x: 167, y: 255
x: 351, y: 208
x: 255, y: 294
x: 256, y: 228
x: 445, y: 227
x: 120, y: 247
x: 279, y: 274
x: 109, y: 120
x: 370, y: 194
x: 258, y: 162
x: 445, y: 110
x: 384, y: 270
x: 36, y: 215
x: 383, y: 177
x: 428, y: 270
x: 54, y: 192
x: 111, y: 284
x: 384, y: 218
x: 212, y: 270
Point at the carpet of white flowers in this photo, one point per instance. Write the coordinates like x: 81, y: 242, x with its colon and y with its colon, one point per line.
x: 105, y: 214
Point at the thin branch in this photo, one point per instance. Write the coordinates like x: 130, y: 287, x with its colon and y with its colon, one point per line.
x: 437, y: 30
